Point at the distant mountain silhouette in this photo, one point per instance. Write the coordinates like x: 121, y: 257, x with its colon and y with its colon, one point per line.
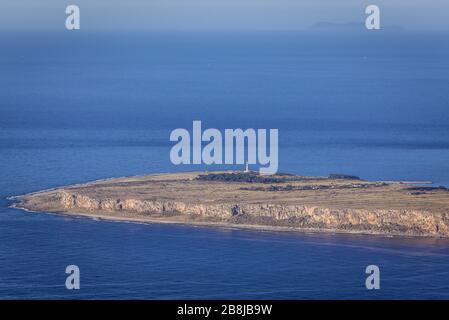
x: 349, y: 27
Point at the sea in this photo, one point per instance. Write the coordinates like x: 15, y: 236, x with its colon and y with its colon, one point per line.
x: 84, y: 105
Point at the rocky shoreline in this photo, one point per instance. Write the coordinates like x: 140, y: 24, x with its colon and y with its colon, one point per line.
x: 282, y: 203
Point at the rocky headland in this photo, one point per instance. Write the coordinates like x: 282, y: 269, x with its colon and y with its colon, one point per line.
x: 337, y: 203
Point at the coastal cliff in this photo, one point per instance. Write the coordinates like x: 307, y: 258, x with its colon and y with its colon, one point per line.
x: 290, y: 203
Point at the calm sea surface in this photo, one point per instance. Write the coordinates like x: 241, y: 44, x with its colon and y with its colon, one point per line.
x: 81, y: 106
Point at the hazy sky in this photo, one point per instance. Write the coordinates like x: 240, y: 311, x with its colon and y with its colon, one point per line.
x: 220, y: 14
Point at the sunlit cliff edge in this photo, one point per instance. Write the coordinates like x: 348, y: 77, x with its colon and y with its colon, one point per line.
x: 336, y: 203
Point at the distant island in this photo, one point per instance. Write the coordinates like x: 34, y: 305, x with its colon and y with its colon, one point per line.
x: 282, y: 202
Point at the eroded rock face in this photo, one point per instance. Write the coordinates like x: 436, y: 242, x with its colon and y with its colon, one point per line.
x: 380, y: 221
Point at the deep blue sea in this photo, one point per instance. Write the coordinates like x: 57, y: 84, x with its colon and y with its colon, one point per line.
x: 80, y: 106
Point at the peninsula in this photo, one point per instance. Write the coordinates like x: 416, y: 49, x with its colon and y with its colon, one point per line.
x: 336, y: 203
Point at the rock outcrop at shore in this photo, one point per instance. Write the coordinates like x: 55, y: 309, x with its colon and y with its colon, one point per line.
x: 296, y: 209
x: 362, y: 220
